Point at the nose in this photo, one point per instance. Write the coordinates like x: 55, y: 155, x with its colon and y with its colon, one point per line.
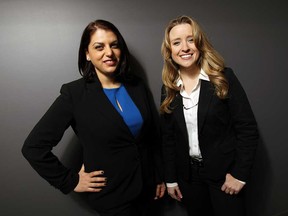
x: 108, y: 51
x: 185, y: 47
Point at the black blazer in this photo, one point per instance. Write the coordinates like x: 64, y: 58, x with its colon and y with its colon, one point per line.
x: 227, y: 133
x: 107, y: 142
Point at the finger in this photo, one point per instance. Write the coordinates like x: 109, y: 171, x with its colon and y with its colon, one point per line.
x: 228, y: 190
x: 91, y: 189
x: 162, y: 191
x: 173, y: 196
x: 82, y: 169
x: 223, y: 188
x: 177, y: 198
x: 96, y: 173
x: 158, y: 189
x: 98, y: 179
x: 179, y: 194
x: 95, y: 185
x: 157, y: 194
x: 170, y: 192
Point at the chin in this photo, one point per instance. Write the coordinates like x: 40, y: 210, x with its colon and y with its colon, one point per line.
x: 188, y: 65
x: 111, y: 70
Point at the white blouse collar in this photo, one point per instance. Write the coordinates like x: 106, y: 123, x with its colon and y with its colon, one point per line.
x: 202, y: 75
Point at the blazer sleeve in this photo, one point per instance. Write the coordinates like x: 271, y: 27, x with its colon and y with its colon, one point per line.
x: 47, y: 133
x: 168, y: 143
x: 245, y: 128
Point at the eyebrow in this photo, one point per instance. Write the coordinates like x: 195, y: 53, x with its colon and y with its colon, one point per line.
x: 100, y: 43
x: 175, y: 39
x: 180, y: 38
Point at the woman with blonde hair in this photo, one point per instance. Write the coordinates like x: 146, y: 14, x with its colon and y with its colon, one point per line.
x: 210, y: 134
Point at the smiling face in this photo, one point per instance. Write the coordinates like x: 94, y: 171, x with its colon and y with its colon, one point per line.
x: 104, y: 52
x: 183, y: 49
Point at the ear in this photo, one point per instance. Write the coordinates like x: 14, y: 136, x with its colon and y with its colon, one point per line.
x: 88, y: 56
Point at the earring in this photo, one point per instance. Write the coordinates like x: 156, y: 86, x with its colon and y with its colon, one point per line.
x: 88, y: 59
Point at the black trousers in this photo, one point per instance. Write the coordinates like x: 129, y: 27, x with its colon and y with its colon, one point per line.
x: 124, y: 210
x: 203, y: 197
x: 142, y: 206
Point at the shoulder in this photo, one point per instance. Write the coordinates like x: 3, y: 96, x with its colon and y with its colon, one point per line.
x: 228, y: 72
x: 138, y: 88
x: 230, y: 76
x: 76, y: 83
x: 74, y: 88
x: 235, y: 86
x: 163, y: 89
x: 136, y: 83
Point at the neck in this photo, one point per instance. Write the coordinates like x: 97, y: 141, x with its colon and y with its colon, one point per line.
x: 189, y: 73
x: 190, y: 78
x: 108, y: 81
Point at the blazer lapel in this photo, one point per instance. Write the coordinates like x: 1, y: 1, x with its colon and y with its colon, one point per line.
x: 177, y: 104
x: 206, y: 93
x: 137, y: 98
x: 99, y: 102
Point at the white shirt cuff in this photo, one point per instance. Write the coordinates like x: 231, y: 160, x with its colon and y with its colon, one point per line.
x: 241, y: 182
x: 174, y: 184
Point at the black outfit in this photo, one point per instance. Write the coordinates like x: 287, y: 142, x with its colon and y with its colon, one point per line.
x: 131, y: 164
x: 228, y: 137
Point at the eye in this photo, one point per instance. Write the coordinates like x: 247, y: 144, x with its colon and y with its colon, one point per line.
x: 98, y: 47
x: 190, y: 40
x: 176, y: 43
x: 115, y: 46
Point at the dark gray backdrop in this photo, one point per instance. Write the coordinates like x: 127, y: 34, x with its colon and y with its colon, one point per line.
x: 38, y: 53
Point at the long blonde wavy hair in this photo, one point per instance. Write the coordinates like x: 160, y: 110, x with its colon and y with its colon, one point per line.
x: 210, y: 60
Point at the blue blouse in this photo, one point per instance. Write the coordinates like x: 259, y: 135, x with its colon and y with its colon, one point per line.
x: 123, y: 103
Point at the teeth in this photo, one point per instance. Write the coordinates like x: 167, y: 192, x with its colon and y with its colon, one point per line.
x: 186, y: 56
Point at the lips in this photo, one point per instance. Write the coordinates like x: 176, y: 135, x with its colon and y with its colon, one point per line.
x: 110, y: 62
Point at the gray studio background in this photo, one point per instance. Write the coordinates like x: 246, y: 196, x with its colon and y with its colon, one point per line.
x: 38, y: 53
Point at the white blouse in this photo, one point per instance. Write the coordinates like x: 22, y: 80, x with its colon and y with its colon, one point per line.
x: 190, y: 108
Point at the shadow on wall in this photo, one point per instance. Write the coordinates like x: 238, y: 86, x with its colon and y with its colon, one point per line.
x: 137, y: 69
x: 258, y: 189
x: 73, y: 158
